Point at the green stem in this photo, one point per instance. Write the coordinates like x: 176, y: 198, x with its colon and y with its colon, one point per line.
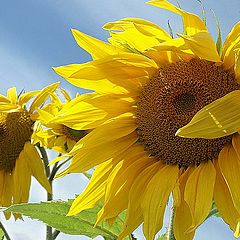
x: 132, y: 237
x: 45, y: 159
x: 50, y: 235
x: 170, y: 234
x: 49, y: 195
x: 55, y: 234
x: 53, y: 172
x: 56, y: 167
x: 5, y: 232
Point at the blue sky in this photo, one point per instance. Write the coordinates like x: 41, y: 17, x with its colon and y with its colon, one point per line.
x: 35, y: 36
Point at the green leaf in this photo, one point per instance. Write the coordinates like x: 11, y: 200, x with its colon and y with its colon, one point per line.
x: 54, y: 215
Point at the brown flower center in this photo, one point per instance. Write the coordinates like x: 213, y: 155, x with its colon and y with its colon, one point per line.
x: 15, y: 131
x: 169, y: 101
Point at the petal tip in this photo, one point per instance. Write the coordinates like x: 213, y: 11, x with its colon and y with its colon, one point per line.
x: 178, y: 133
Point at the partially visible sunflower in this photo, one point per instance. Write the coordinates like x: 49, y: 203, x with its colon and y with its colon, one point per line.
x: 147, y: 86
x: 56, y: 136
x: 19, y: 159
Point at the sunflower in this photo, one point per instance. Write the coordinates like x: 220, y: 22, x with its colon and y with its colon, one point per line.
x: 147, y: 86
x: 57, y: 136
x: 19, y: 159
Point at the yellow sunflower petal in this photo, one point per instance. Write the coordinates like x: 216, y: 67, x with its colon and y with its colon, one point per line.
x: 91, y: 110
x: 121, y: 66
x: 217, y: 119
x: 229, y: 164
x: 120, y: 184
x: 4, y: 99
x: 237, y: 231
x: 232, y: 36
x: 97, y: 48
x: 65, y: 94
x: 133, y: 30
x: 25, y: 97
x: 36, y: 165
x: 84, y: 151
x: 237, y: 64
x: 154, y: 202
x: 94, y: 190
x: 149, y: 29
x: 105, y: 75
x: 176, y: 195
x: 134, y: 215
x: 145, y: 27
x: 129, y: 40
x: 70, y: 144
x: 12, y: 95
x: 198, y: 193
x: 6, y: 188
x: 236, y: 143
x: 59, y: 143
x: 44, y: 116
x: 231, y: 44
x: 163, y: 58
x: 86, y: 159
x: 123, y: 161
x: 55, y: 100
x: 114, y: 129
x: 183, y: 211
x: 2, y: 182
x: 43, y: 95
x: 101, y: 86
x: 180, y: 226
x: 171, y: 51
x: 223, y: 200
x: 203, y: 46
x: 8, y: 107
x: 192, y: 23
x: 21, y: 180
x: 57, y: 159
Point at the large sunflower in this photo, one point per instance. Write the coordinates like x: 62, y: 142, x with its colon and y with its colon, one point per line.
x: 147, y: 85
x: 19, y: 159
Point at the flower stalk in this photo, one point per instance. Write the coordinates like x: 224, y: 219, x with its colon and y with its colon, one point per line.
x: 170, y: 234
x: 49, y: 234
x: 5, y: 232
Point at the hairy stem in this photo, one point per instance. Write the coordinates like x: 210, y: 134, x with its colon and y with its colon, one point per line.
x: 55, y: 234
x: 45, y: 159
x: 5, y: 232
x: 49, y: 235
x: 170, y: 234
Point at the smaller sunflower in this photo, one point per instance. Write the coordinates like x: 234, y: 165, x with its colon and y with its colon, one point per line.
x: 56, y: 136
x: 19, y: 159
